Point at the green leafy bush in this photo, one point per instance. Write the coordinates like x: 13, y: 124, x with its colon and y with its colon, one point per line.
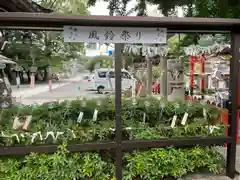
x: 157, y: 112
x: 61, y: 117
x: 153, y: 164
x: 156, y: 72
x: 150, y: 165
x: 60, y: 165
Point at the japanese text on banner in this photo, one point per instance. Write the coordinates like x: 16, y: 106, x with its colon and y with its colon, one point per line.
x: 128, y: 35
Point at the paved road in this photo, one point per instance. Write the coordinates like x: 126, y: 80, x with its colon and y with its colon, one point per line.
x: 68, y: 91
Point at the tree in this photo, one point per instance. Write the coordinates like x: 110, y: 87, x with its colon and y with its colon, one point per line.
x: 45, y: 48
x: 67, y: 51
x: 65, y: 6
x: 102, y: 61
x: 120, y: 7
x: 199, y: 8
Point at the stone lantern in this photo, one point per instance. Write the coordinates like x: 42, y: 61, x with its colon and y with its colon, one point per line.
x: 175, y: 80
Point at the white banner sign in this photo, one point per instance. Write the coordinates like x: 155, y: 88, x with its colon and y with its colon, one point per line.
x: 92, y: 34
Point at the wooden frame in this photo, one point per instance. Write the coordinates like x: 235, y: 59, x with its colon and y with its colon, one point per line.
x: 181, y: 25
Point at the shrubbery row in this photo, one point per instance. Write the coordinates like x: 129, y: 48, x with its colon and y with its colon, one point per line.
x: 152, y: 164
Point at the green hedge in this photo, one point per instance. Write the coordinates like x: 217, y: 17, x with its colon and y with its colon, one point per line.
x: 157, y: 111
x: 152, y: 164
x: 62, y: 117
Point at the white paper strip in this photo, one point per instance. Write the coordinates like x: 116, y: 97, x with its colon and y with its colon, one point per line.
x: 91, y: 34
x: 27, y: 122
x: 73, y: 134
x: 16, y: 136
x: 211, y: 129
x: 16, y: 123
x: 35, y: 135
x: 95, y: 115
x: 144, y: 117
x: 204, y: 113
x: 174, y: 121
x: 58, y: 134
x: 184, y: 119
x: 50, y: 133
x: 80, y: 116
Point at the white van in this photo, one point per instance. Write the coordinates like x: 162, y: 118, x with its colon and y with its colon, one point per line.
x: 104, y: 79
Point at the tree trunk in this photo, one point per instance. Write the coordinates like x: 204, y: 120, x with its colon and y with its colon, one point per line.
x: 21, y: 77
x: 37, y: 76
x: 8, y: 72
x: 45, y: 76
x: 13, y: 79
x: 28, y: 75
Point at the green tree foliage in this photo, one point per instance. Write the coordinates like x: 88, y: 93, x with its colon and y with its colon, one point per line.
x: 199, y: 8
x: 120, y: 7
x: 45, y: 48
x: 65, y: 6
x: 102, y: 61
x: 68, y: 50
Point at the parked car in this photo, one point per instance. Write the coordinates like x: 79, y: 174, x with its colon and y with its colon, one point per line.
x: 104, y: 80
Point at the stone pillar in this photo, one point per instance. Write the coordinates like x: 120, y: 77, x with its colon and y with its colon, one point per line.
x: 163, y: 80
x: 149, y: 79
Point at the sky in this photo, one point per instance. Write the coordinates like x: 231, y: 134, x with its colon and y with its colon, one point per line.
x: 101, y: 9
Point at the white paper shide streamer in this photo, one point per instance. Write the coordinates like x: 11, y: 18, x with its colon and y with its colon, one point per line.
x: 51, y: 133
x: 35, y: 135
x: 38, y: 135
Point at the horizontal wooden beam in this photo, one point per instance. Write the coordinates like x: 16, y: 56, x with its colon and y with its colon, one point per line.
x: 49, y: 149
x: 177, y: 142
x: 126, y: 145
x: 172, y: 23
